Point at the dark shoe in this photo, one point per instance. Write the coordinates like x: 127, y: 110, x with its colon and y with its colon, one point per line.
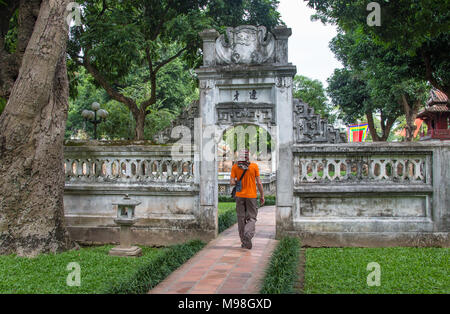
x: 247, y: 244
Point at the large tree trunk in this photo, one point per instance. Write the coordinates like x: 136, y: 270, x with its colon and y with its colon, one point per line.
x: 140, y: 126
x: 411, y: 116
x: 31, y: 137
x: 386, y: 127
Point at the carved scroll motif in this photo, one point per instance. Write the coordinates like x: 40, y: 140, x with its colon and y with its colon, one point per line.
x: 245, y: 45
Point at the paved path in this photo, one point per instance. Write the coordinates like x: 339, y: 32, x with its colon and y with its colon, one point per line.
x: 223, y: 267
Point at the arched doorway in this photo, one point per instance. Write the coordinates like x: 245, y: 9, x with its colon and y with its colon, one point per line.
x: 262, y: 147
x: 246, y: 78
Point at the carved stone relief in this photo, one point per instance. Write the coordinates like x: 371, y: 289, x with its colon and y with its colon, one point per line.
x: 231, y: 113
x: 245, y: 45
x: 311, y: 128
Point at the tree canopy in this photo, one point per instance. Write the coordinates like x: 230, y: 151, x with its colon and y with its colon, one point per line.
x: 117, y: 38
x: 417, y: 28
x: 389, y: 70
x: 312, y: 92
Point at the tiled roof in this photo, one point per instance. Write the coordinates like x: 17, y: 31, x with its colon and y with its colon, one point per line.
x: 435, y: 108
x: 438, y: 108
x: 437, y: 97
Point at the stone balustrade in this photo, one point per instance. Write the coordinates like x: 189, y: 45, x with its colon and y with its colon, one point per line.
x: 166, y: 183
x: 371, y: 194
x: 371, y: 169
x: 128, y: 169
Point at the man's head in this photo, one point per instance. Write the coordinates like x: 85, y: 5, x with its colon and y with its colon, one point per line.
x: 243, y: 155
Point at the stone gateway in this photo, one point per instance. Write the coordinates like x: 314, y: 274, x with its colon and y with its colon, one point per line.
x: 328, y: 192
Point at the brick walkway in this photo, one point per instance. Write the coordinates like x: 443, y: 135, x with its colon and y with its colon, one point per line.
x: 223, y: 267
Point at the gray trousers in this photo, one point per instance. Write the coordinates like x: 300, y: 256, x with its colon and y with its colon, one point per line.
x: 247, y: 211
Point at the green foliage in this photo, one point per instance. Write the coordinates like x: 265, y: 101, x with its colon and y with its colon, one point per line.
x: 147, y: 276
x: 47, y: 273
x: 86, y: 94
x: 227, y: 215
x: 2, y: 104
x: 403, y: 270
x: 350, y: 94
x: 232, y: 13
x: 374, y: 81
x: 120, y: 39
x: 312, y: 92
x: 376, y: 68
x: 11, y: 35
x: 225, y: 199
x: 176, y: 91
x: 423, y: 25
x: 415, y: 20
x: 282, y: 272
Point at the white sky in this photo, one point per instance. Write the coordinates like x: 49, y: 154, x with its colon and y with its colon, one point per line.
x: 308, y: 45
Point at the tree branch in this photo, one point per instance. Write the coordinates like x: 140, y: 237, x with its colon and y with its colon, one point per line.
x: 163, y: 63
x: 153, y: 72
x: 109, y: 89
x: 429, y: 74
x: 104, y: 8
x: 372, y: 129
x: 390, y: 122
x: 161, y: 23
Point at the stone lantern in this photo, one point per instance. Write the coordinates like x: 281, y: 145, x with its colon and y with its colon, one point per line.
x: 126, y: 219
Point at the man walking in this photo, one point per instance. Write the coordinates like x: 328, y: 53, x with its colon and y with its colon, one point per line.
x: 246, y: 207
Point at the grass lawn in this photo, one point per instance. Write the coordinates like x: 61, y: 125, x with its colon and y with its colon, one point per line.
x: 403, y: 270
x: 48, y: 273
x: 100, y: 273
x: 224, y: 207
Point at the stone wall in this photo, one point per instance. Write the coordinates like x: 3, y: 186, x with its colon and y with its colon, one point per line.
x: 98, y: 174
x: 371, y: 194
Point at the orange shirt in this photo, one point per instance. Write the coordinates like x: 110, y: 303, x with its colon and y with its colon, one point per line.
x: 248, y: 182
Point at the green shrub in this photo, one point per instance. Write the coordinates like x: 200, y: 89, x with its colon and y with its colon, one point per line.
x: 227, y: 219
x: 271, y: 200
x: 282, y: 273
x: 225, y: 199
x: 148, y: 276
x: 227, y: 211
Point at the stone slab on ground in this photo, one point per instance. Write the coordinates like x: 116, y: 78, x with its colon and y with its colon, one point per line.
x: 223, y: 267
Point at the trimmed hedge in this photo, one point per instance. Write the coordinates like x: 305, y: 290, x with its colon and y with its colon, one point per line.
x: 227, y: 215
x: 227, y: 219
x: 148, y: 276
x: 282, y: 272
